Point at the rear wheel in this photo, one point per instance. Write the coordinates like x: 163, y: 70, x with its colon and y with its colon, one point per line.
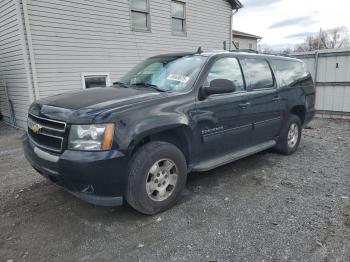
x: 157, y: 175
x: 290, y: 136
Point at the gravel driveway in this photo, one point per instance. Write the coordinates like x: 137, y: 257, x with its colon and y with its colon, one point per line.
x: 266, y: 207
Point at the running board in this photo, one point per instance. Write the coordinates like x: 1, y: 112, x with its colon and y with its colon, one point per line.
x: 223, y: 160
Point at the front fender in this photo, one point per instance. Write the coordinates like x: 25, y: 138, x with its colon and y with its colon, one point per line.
x: 132, y: 133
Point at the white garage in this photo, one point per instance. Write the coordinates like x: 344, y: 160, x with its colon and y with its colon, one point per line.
x: 330, y: 69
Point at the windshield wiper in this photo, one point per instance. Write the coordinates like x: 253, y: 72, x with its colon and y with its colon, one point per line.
x: 121, y: 84
x: 155, y: 87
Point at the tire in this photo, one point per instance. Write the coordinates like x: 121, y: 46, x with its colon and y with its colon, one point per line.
x: 284, y: 145
x: 150, y: 171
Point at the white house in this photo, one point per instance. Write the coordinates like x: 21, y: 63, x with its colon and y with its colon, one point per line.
x: 52, y: 46
x: 243, y: 40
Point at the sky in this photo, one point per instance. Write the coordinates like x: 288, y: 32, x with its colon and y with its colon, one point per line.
x: 287, y: 22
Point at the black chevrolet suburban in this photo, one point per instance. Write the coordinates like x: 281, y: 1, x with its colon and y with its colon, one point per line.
x: 172, y: 114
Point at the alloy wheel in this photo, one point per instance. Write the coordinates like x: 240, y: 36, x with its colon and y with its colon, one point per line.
x: 161, y: 180
x: 293, y: 135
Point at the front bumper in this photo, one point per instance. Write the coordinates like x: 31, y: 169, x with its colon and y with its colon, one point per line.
x: 95, y: 177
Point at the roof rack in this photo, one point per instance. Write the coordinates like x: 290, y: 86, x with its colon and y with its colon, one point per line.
x: 262, y: 53
x: 245, y: 50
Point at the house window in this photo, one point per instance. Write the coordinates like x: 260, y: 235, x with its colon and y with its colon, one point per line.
x: 250, y: 46
x: 140, y: 15
x: 178, y: 17
x: 95, y: 80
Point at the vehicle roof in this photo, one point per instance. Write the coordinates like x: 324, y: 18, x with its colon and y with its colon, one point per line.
x: 233, y: 53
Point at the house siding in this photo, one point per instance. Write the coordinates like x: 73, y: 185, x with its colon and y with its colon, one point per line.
x: 244, y: 42
x: 14, y: 68
x: 83, y: 36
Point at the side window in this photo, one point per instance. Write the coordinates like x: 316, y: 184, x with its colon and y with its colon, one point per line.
x: 290, y: 73
x: 227, y: 68
x: 259, y: 73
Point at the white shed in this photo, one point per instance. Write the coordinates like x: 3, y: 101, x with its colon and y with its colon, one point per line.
x: 330, y: 69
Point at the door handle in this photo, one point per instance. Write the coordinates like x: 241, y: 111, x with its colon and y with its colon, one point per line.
x: 244, y: 105
x: 276, y: 99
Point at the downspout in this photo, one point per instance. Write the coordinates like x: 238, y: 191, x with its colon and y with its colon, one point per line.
x: 25, y: 50
x: 30, y: 50
x: 316, y: 66
x: 317, y: 53
x: 234, y: 11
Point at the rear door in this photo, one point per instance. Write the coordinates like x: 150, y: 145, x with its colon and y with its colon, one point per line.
x: 266, y: 104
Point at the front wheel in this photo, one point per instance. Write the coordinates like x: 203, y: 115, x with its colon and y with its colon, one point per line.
x: 290, y: 136
x: 157, y: 175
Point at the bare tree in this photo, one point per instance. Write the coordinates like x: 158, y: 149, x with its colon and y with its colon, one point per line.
x: 273, y: 50
x: 265, y: 49
x: 286, y: 51
x: 337, y: 37
x: 311, y: 43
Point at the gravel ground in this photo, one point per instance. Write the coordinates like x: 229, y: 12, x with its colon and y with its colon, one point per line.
x: 266, y: 207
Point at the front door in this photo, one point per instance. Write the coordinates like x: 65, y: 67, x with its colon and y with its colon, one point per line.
x: 222, y: 121
x: 267, y: 106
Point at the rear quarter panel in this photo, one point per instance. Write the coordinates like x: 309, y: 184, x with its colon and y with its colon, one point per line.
x: 299, y: 93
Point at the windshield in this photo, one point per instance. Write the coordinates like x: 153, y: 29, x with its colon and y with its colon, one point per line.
x: 168, y: 74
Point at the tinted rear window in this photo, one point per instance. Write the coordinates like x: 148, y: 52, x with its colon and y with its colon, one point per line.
x: 259, y: 73
x: 290, y: 73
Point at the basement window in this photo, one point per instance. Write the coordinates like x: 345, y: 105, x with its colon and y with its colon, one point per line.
x: 178, y: 17
x: 91, y: 80
x: 140, y: 15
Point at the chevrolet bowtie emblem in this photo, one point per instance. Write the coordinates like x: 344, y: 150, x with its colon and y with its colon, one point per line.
x: 36, y: 128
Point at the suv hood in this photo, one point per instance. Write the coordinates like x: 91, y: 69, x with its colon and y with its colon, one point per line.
x: 86, y: 104
x: 98, y: 98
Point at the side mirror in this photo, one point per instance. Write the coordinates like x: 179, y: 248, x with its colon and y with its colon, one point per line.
x: 219, y: 86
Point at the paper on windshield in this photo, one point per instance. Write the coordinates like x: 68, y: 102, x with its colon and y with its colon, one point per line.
x: 178, y: 78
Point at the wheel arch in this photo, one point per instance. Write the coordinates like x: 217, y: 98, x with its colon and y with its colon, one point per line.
x: 178, y: 135
x: 300, y: 111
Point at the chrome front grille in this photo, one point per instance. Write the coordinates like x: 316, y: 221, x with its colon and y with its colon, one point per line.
x: 46, y: 133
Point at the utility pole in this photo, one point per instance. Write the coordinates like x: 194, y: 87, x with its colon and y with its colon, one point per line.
x: 319, y: 39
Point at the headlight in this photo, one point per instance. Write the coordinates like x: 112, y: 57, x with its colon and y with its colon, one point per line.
x: 91, y: 137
